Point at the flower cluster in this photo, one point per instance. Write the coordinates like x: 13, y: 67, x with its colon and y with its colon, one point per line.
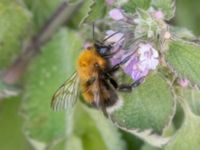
x: 145, y: 23
x: 140, y: 59
x: 116, y: 14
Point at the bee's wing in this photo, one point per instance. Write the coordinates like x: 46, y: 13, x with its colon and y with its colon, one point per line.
x: 66, y: 96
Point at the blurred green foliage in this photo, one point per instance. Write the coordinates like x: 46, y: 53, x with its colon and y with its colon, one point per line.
x: 14, y: 19
x: 45, y: 129
x: 188, y: 15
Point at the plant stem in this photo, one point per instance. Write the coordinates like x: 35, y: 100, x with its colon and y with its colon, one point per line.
x: 61, y: 16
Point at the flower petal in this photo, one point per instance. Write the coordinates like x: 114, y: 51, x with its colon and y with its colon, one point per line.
x: 183, y: 82
x: 109, y: 2
x: 138, y: 74
x: 117, y: 58
x: 159, y: 15
x: 115, y: 38
x: 116, y: 14
x: 152, y: 64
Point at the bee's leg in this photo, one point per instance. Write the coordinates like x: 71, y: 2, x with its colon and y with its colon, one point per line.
x: 111, y: 79
x: 117, y: 66
x: 129, y: 87
x: 104, y: 111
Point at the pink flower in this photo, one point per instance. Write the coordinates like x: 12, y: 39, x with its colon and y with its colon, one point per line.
x: 141, y: 62
x: 183, y: 83
x: 158, y: 15
x: 148, y: 56
x: 110, y: 2
x: 116, y: 59
x: 116, y: 14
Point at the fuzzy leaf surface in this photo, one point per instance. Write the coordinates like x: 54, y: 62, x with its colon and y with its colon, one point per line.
x: 183, y: 58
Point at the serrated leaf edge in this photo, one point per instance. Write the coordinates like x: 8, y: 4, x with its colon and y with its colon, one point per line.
x: 148, y: 136
x: 88, y: 13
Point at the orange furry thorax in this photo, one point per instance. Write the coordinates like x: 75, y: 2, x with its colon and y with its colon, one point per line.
x: 87, y: 69
x: 86, y: 64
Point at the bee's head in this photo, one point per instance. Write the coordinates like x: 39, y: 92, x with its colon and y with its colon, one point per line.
x: 102, y: 49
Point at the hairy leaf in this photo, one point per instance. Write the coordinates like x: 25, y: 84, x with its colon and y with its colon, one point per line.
x: 182, y: 33
x: 183, y: 58
x: 146, y: 110
x: 97, y: 11
x: 186, y: 137
x: 47, y: 72
x: 95, y: 130
x: 192, y: 96
x: 149, y: 147
x: 11, y: 125
x: 132, y: 5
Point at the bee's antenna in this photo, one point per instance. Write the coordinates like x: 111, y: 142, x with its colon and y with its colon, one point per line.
x: 109, y: 36
x: 93, y: 32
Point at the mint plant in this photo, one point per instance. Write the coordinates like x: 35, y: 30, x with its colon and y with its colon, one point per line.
x: 39, y: 45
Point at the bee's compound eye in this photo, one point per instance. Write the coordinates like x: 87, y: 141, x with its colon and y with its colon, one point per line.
x: 103, y: 50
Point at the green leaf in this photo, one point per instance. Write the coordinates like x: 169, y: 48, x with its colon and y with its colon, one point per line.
x: 143, y: 14
x: 47, y: 72
x: 13, y: 26
x: 97, y: 11
x: 11, y: 136
x: 166, y: 6
x: 82, y: 13
x: 187, y: 137
x: 187, y: 14
x: 90, y: 11
x: 149, y: 147
x: 183, y: 58
x: 182, y: 33
x: 146, y: 110
x: 95, y: 130
x: 74, y: 142
x: 192, y: 96
x: 147, y: 26
x: 132, y: 142
x: 132, y: 5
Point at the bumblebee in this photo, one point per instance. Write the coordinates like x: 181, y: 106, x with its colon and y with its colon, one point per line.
x: 95, y: 77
